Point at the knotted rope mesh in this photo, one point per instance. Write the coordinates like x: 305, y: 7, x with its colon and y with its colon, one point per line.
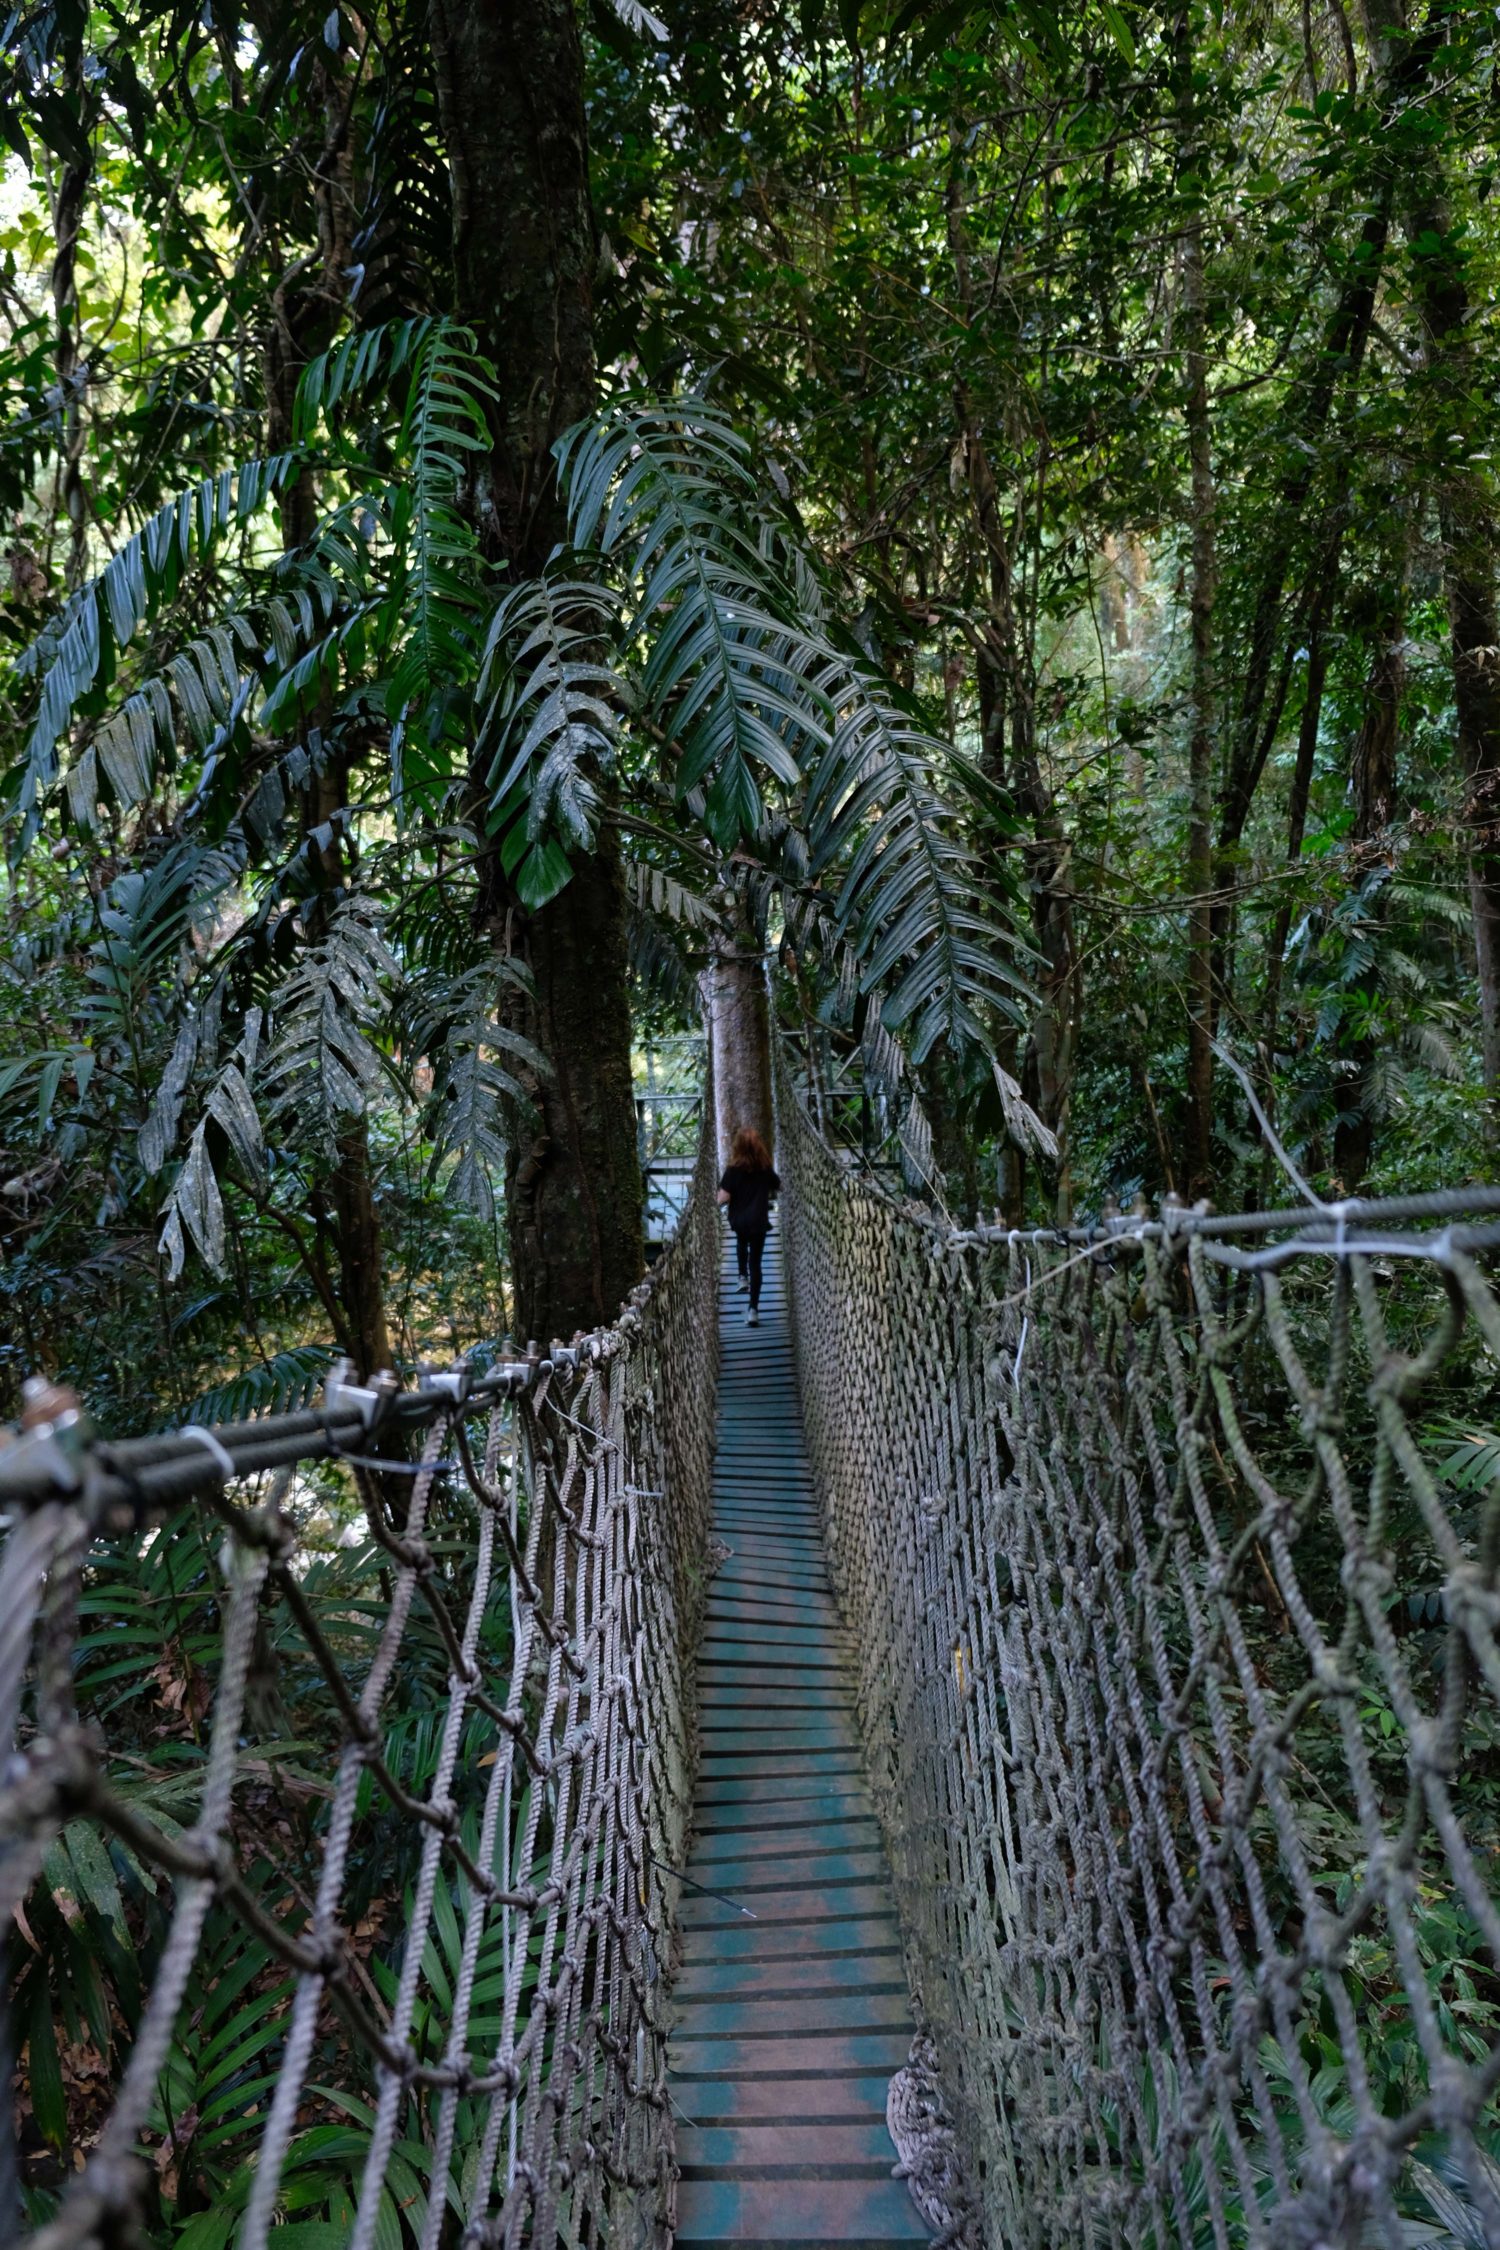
x: 1178, y: 1681
x: 444, y: 1919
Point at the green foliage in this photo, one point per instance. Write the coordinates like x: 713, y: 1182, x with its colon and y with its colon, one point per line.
x: 293, y: 750
x: 551, y: 716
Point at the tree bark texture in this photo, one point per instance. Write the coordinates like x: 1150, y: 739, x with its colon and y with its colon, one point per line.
x: 739, y: 1016
x: 361, y: 1255
x: 511, y: 105
x: 511, y: 108
x: 573, y: 1183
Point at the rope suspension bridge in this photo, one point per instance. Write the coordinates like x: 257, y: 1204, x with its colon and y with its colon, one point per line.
x: 1116, y: 1855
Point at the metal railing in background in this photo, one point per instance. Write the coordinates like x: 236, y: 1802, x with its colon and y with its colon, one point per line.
x: 670, y: 1078
x: 442, y: 1912
x: 1178, y: 1623
x: 853, y: 1114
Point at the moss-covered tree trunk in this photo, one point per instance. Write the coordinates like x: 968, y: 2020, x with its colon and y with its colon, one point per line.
x: 511, y: 104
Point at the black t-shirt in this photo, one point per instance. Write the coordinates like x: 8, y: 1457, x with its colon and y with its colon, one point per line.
x: 749, y: 1192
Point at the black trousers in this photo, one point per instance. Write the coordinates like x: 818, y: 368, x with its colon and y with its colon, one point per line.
x: 751, y: 1250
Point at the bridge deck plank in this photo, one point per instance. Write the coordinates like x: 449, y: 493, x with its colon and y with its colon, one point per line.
x: 792, y: 2008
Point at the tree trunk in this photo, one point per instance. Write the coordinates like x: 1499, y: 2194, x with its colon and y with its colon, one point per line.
x: 361, y: 1255
x: 1007, y: 702
x: 1004, y: 688
x: 1373, y: 774
x: 573, y: 1186
x: 1297, y: 804
x: 1466, y: 508
x: 71, y: 371
x: 511, y: 109
x: 1203, y: 738
x: 739, y: 1018
x: 1341, y: 354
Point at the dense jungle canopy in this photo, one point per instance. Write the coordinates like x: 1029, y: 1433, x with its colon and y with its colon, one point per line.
x: 994, y: 502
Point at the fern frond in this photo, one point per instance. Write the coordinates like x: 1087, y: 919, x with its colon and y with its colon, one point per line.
x: 279, y: 1385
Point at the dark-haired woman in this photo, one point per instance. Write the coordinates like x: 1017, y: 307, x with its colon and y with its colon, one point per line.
x: 748, y: 1186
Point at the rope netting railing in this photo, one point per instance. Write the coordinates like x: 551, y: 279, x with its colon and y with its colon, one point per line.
x: 343, y: 1799
x: 1172, y: 1559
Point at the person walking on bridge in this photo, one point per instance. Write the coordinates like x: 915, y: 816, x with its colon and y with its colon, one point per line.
x: 748, y: 1188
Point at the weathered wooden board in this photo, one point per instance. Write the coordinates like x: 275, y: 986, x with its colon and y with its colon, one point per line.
x: 859, y: 1970
x: 787, y: 2212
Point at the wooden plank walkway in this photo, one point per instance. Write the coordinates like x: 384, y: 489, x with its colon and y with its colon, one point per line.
x: 790, y: 2025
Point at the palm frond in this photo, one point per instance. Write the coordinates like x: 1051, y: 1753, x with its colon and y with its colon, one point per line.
x: 639, y: 20
x: 83, y: 643
x: 670, y: 490
x: 912, y: 900
x: 654, y: 891
x: 278, y: 1385
x: 147, y: 920
x: 1471, y: 1462
x: 434, y: 595
x: 474, y: 1058
x: 550, y: 725
x: 884, y: 1068
x: 1428, y: 1044
x: 749, y: 684
x: 194, y: 1209
x: 323, y: 1062
x: 1023, y: 1127
x: 366, y: 359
